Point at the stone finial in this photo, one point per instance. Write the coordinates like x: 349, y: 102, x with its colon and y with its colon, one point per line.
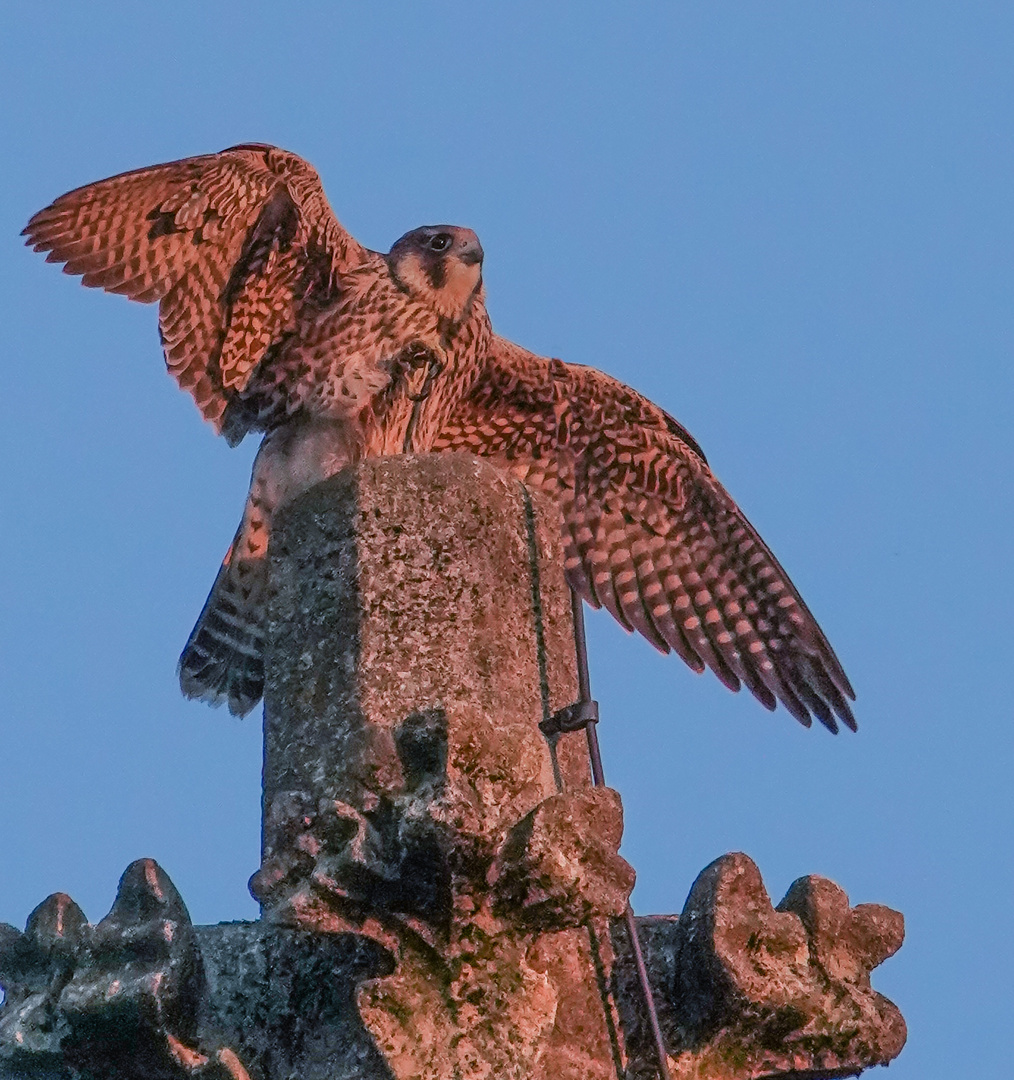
x: 144, y: 995
x: 750, y: 990
x: 558, y: 866
x: 120, y: 998
x: 34, y: 966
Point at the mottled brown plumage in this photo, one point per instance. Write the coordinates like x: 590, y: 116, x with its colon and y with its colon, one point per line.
x: 276, y: 320
x: 650, y: 534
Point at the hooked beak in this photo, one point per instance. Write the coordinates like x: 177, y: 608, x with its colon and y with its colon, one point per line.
x: 471, y: 252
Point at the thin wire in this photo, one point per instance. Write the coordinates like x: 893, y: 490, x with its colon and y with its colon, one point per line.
x: 599, y: 779
x: 540, y: 632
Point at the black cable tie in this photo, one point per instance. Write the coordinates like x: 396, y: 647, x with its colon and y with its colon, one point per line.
x: 571, y: 718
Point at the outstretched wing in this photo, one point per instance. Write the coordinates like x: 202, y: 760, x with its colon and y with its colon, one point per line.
x: 230, y: 244
x: 650, y: 533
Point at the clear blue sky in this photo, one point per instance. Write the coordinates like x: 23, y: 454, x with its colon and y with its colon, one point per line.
x: 790, y: 224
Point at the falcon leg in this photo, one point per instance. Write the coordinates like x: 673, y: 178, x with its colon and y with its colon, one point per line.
x: 223, y: 658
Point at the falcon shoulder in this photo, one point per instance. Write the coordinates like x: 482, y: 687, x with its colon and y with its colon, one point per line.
x: 232, y: 245
x: 649, y: 531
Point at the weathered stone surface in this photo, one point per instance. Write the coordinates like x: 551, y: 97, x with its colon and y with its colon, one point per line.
x: 420, y: 629
x: 439, y: 882
x: 500, y: 1005
x: 140, y: 967
x: 418, y: 634
x: 34, y: 967
x: 163, y: 999
x: 120, y: 998
x: 747, y: 990
x: 559, y: 865
x: 845, y: 942
x: 744, y: 990
x: 404, y: 587
x: 144, y: 995
x: 284, y: 1001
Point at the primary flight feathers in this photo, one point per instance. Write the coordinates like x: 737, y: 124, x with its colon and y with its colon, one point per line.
x: 229, y: 244
x: 275, y: 319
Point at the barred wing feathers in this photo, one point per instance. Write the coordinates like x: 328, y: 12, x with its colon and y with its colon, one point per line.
x: 230, y: 245
x: 650, y: 534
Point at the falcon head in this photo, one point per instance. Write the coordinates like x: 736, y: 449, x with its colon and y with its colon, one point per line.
x: 442, y: 265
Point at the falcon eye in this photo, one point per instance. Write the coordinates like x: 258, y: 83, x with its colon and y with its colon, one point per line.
x: 440, y: 242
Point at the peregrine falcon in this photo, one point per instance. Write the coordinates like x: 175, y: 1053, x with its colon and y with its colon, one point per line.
x: 276, y: 320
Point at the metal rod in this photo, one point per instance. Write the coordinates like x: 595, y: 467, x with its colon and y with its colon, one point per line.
x: 599, y: 780
x: 642, y: 977
x: 581, y: 644
x: 584, y: 688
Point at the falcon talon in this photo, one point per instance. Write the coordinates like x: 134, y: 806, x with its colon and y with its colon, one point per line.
x: 434, y: 368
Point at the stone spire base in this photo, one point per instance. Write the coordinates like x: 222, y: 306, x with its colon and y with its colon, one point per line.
x: 440, y: 885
